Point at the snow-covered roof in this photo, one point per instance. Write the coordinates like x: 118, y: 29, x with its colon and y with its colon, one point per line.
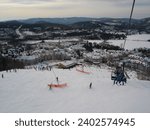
x: 33, y: 57
x: 68, y: 63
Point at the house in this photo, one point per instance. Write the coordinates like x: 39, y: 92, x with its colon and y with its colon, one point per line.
x: 67, y: 64
x: 29, y: 60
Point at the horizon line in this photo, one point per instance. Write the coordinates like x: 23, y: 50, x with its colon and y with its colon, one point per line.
x: 65, y: 17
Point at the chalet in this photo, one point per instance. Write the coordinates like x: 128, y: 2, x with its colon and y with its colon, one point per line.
x: 29, y: 60
x: 67, y: 64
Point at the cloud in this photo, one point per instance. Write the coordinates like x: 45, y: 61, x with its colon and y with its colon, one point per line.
x: 98, y: 2
x: 69, y: 8
x: 28, y: 2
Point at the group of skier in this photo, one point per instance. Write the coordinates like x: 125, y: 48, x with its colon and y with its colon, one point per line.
x: 119, y: 76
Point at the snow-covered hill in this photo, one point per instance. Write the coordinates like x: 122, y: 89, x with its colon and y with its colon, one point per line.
x: 27, y: 91
x: 133, y: 41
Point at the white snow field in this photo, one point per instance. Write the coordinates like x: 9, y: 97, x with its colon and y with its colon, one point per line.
x: 26, y: 91
x: 133, y: 41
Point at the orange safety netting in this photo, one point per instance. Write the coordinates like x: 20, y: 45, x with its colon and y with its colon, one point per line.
x: 58, y: 85
x: 82, y: 71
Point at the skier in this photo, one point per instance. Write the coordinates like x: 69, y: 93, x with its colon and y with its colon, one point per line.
x: 57, y: 79
x: 121, y: 78
x: 124, y: 80
x: 115, y: 80
x: 2, y: 76
x: 50, y: 68
x: 90, y: 86
x: 50, y: 87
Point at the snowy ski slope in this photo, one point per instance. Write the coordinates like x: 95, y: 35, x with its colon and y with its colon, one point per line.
x: 27, y: 91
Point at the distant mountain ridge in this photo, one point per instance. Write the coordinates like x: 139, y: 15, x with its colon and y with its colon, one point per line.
x: 73, y: 20
x: 82, y: 22
x: 65, y: 21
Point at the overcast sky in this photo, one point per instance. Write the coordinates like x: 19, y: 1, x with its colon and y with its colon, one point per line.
x: 20, y: 9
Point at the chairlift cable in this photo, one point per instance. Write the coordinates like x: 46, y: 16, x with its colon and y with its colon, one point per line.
x: 129, y: 25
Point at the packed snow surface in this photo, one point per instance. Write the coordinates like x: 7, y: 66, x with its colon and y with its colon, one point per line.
x: 27, y: 91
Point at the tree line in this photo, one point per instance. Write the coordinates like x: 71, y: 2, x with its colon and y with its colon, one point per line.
x: 7, y: 64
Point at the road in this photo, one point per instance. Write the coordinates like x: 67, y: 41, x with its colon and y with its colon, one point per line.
x: 18, y: 32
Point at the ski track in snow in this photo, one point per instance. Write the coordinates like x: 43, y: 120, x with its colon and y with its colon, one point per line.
x: 27, y: 91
